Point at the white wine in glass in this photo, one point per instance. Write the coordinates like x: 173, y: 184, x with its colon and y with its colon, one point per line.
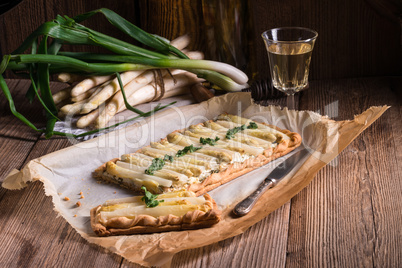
x: 289, y: 65
x: 289, y: 54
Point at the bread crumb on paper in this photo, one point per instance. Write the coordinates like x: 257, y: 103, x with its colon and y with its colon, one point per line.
x: 78, y: 204
x: 75, y: 216
x: 66, y: 198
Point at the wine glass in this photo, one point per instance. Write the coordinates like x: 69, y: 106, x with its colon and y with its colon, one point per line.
x: 289, y: 54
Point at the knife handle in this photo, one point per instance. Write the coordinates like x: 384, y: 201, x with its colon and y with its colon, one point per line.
x: 248, y: 203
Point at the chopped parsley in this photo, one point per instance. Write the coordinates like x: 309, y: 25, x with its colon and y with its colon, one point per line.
x: 169, y: 158
x: 157, y: 164
x: 209, y: 141
x: 252, y: 125
x: 150, y: 199
x: 231, y: 132
x: 186, y: 150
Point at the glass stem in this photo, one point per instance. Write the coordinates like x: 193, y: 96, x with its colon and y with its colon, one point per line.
x: 291, y: 101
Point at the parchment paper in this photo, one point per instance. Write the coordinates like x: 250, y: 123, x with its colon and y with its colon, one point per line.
x: 68, y: 172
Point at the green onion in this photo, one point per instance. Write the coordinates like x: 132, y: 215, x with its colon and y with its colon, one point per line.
x: 43, y: 61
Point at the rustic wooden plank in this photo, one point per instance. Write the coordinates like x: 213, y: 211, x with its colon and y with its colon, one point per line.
x: 348, y: 216
x: 30, y: 229
x: 16, y: 139
x: 13, y: 153
x: 33, y: 236
x: 262, y: 245
x: 10, y: 126
x: 174, y: 18
x: 384, y: 176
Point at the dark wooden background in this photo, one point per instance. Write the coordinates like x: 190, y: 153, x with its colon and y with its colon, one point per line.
x: 357, y: 38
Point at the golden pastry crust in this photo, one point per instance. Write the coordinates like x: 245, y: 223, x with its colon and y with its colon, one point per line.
x: 231, y: 172
x: 147, y: 224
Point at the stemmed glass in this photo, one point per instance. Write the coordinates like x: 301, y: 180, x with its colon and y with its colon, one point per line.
x: 289, y: 54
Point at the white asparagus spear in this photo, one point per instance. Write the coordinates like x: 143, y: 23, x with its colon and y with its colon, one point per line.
x: 61, y: 104
x: 88, y: 119
x: 72, y: 109
x: 136, y: 99
x: 61, y: 95
x: 89, y: 83
x: 126, y: 77
x: 181, y: 42
x: 76, y: 107
x: 108, y: 91
x: 139, y: 97
x: 86, y: 94
x: 117, y: 102
x: 69, y: 78
x: 195, y: 55
x: 172, y: 88
x: 113, y: 105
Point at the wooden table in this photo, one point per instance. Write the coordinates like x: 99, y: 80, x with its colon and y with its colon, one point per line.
x: 350, y: 215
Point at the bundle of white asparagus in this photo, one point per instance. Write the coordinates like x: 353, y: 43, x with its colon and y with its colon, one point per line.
x: 96, y: 100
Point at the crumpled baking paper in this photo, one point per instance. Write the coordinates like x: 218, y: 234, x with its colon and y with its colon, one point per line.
x: 68, y: 172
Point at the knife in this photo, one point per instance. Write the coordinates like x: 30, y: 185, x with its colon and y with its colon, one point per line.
x: 273, y: 179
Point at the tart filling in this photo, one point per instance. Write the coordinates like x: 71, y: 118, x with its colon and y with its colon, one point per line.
x: 201, y: 157
x: 179, y: 210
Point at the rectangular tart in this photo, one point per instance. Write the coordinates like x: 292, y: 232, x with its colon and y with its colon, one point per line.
x: 179, y: 210
x: 201, y: 157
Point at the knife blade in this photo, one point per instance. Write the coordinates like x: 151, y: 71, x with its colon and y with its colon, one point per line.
x: 270, y: 181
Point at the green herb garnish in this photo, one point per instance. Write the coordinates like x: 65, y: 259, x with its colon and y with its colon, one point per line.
x: 169, y: 158
x: 157, y: 164
x: 150, y: 199
x: 186, y: 150
x: 231, y: 132
x: 209, y: 141
x: 252, y: 125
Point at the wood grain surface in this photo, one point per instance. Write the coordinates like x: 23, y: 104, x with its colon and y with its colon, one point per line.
x: 349, y: 215
x: 356, y: 38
